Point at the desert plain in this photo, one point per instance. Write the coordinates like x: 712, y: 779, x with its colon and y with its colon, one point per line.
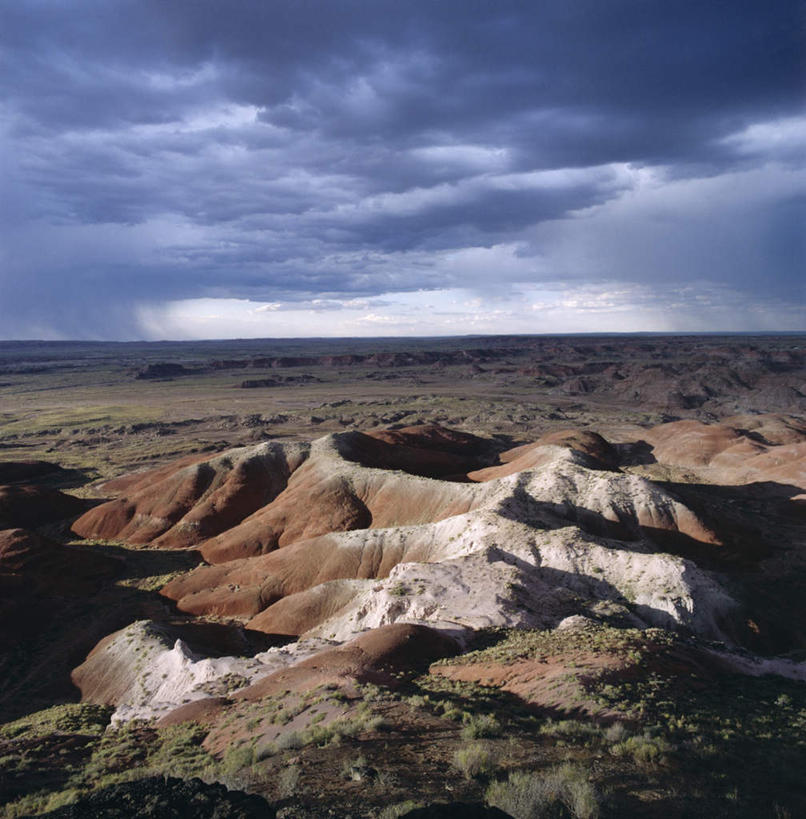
x: 477, y: 576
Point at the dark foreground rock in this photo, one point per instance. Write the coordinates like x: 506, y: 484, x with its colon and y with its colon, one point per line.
x: 167, y: 798
x: 456, y: 810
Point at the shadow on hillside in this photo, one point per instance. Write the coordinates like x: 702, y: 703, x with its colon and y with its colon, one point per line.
x: 44, y: 473
x: 443, y: 459
x: 489, y: 699
x: 49, y: 631
x: 635, y: 453
x: 587, y: 587
x: 524, y: 508
x: 743, y: 518
x: 760, y: 553
x: 144, y: 562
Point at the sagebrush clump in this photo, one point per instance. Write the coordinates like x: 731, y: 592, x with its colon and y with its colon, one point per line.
x: 558, y: 792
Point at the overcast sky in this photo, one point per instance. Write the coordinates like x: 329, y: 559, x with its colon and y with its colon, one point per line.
x: 197, y: 169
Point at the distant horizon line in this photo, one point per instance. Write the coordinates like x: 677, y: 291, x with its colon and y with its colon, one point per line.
x: 592, y: 334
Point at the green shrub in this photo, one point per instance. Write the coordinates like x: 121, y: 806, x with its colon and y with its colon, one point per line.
x: 237, y: 757
x: 559, y: 792
x: 288, y: 781
x: 616, y: 732
x: 482, y: 725
x: 647, y: 751
x: 39, y: 802
x: 290, y: 741
x: 473, y: 760
x: 180, y: 753
x: 265, y: 751
x: 572, y: 730
x: 393, y: 811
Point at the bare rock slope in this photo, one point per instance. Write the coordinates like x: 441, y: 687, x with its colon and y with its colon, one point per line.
x: 743, y: 449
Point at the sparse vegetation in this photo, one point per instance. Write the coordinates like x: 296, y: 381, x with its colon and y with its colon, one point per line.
x: 78, y: 718
x: 478, y: 726
x: 647, y: 751
x: 114, y: 756
x: 572, y: 730
x: 474, y: 760
x: 288, y: 780
x: 533, y: 795
x: 399, y: 809
x: 237, y: 757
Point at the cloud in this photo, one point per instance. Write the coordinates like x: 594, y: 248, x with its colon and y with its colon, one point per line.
x: 741, y: 229
x: 313, y: 153
x: 782, y: 139
x: 553, y: 308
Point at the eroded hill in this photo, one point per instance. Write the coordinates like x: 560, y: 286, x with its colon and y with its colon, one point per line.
x: 392, y: 616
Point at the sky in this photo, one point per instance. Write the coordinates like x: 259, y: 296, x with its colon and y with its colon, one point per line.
x: 273, y: 168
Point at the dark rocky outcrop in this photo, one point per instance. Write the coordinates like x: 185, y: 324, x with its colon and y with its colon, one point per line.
x: 456, y: 810
x: 163, y: 370
x: 166, y: 798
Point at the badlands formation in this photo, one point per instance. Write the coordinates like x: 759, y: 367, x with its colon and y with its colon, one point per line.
x: 411, y: 615
x: 329, y: 542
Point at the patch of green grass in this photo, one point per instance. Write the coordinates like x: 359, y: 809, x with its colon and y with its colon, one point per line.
x: 500, y: 645
x: 42, y: 801
x: 72, y: 718
x: 78, y: 419
x: 318, y: 734
x: 116, y: 755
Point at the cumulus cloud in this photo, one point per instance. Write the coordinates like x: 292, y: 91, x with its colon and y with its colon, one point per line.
x: 307, y: 155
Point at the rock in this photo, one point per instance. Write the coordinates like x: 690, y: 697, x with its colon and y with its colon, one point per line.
x: 163, y: 370
x: 340, y: 540
x: 50, y: 567
x: 166, y: 798
x: 575, y: 621
x: 255, y: 383
x: 736, y: 452
x: 559, y: 526
x: 195, y: 500
x: 456, y: 810
x: 152, y: 668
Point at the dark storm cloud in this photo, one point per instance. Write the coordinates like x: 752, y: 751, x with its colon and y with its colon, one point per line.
x: 294, y: 150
